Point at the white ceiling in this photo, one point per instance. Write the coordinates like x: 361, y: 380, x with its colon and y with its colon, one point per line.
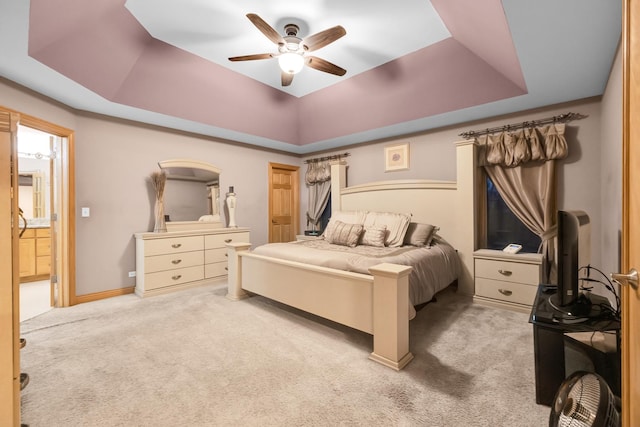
x: 565, y: 49
x: 216, y: 31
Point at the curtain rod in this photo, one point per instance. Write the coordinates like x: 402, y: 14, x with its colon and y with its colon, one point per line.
x: 334, y: 157
x: 562, y: 118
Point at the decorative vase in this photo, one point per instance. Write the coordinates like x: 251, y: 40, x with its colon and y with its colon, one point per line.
x: 161, y: 225
x: 231, y: 207
x: 158, y: 180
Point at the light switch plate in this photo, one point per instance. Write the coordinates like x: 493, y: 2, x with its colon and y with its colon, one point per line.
x: 86, y: 212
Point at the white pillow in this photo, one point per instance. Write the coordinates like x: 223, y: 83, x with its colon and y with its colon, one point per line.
x: 396, y: 224
x: 349, y: 217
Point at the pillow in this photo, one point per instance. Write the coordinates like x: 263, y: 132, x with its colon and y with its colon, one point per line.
x: 374, y: 236
x: 343, y: 234
x: 349, y: 217
x: 396, y: 224
x: 420, y: 234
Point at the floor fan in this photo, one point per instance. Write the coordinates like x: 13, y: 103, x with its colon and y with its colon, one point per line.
x: 585, y: 400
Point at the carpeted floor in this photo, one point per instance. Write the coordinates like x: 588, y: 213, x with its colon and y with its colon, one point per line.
x: 195, y: 358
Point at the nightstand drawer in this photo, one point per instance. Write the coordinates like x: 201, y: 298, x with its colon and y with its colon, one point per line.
x: 220, y: 240
x: 172, y: 261
x: 173, y: 245
x: 508, y: 271
x: 506, y: 291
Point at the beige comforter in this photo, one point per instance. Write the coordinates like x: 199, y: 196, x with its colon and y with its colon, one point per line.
x: 434, y: 268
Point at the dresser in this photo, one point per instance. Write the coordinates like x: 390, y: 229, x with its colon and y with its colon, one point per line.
x: 507, y: 280
x: 167, y: 262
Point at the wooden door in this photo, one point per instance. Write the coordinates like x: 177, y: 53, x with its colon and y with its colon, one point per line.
x: 9, y: 274
x: 631, y: 213
x: 283, y: 202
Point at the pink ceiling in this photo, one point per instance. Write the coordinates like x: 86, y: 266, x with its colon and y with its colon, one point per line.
x: 100, y: 45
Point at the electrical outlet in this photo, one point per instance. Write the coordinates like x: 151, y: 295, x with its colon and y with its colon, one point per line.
x: 132, y: 274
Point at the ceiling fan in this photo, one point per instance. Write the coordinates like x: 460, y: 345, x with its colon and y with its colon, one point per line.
x: 292, y: 50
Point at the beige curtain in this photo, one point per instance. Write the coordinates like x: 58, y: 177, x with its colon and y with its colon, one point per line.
x: 318, y: 180
x: 522, y: 167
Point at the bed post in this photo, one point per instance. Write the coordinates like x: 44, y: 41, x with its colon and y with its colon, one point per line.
x: 338, y: 182
x: 466, y: 212
x: 391, y: 315
x: 234, y: 267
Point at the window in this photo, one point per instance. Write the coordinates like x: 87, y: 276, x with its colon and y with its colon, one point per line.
x: 503, y: 227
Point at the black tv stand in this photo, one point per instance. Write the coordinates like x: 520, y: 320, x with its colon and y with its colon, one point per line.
x: 552, y: 344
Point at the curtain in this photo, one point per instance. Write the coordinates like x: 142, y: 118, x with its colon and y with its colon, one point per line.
x: 318, y: 180
x: 522, y: 167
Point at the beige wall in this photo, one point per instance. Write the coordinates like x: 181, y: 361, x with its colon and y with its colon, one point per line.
x: 611, y: 174
x: 114, y: 159
x: 580, y: 175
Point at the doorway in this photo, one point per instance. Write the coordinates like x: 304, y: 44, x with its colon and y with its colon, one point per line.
x: 35, y: 166
x: 57, y: 255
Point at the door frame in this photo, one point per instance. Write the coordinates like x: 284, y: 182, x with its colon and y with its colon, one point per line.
x: 295, y: 203
x: 630, y: 299
x: 65, y: 206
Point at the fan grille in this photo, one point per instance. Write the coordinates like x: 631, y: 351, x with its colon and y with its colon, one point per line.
x: 583, y: 401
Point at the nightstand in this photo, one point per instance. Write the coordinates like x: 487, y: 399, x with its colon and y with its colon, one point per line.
x: 507, y: 280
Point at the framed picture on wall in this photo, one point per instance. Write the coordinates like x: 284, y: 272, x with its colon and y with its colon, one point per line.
x: 396, y: 157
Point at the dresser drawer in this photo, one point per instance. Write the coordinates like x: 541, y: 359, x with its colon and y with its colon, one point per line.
x: 173, y: 245
x: 219, y: 240
x: 215, y: 255
x: 172, y: 261
x: 508, y: 271
x: 214, y: 270
x: 506, y: 291
x: 178, y: 276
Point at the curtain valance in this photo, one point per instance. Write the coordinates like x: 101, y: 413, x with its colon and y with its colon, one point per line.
x: 532, y: 144
x: 318, y: 172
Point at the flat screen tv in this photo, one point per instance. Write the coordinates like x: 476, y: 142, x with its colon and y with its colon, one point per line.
x: 574, y: 252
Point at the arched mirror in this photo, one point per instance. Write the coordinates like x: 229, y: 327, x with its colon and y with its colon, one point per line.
x: 191, y: 195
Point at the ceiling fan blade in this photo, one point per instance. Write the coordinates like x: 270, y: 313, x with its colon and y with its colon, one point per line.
x: 324, y: 65
x: 251, y: 57
x: 323, y: 38
x: 265, y: 28
x: 286, y: 78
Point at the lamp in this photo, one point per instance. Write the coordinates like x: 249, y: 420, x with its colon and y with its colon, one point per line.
x: 290, y: 62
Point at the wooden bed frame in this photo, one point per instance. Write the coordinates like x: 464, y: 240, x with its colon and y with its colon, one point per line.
x: 378, y: 303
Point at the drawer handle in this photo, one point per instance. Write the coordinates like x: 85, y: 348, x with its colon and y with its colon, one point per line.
x: 176, y: 245
x: 176, y: 277
x: 176, y: 261
x: 228, y: 240
x: 226, y: 268
x: 505, y: 292
x: 505, y: 272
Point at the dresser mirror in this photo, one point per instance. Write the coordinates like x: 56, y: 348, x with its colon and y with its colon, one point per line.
x: 191, y: 195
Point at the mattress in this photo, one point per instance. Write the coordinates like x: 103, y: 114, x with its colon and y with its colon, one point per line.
x: 434, y: 267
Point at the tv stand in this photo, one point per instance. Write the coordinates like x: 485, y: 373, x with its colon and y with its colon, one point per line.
x: 555, y: 344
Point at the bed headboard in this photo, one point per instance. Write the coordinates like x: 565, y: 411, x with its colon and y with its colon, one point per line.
x: 446, y: 204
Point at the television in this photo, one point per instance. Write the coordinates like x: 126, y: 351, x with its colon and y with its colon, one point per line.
x: 573, y: 252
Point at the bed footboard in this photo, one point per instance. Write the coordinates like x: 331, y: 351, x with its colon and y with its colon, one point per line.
x: 377, y: 304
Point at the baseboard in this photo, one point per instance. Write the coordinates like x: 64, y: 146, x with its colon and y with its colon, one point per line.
x: 79, y: 299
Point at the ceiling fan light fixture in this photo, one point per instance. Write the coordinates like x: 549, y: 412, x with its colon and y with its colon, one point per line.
x: 291, y: 63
